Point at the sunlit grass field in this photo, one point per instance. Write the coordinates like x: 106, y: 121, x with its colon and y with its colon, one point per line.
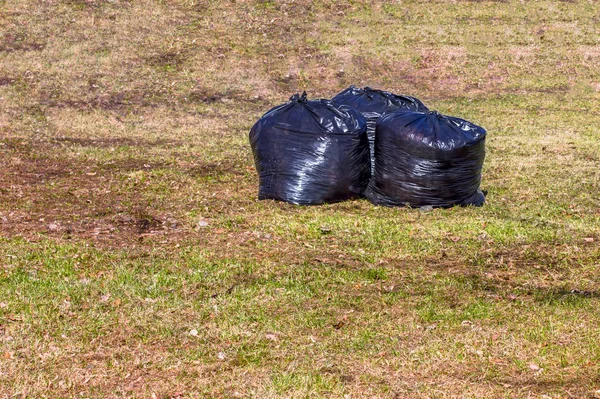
x: 136, y: 261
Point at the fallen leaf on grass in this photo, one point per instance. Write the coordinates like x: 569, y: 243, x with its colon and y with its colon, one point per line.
x: 339, y: 325
x: 202, y: 223
x: 534, y: 367
x: 105, y: 298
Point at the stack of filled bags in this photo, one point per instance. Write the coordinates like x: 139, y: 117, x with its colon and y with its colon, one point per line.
x: 313, y: 152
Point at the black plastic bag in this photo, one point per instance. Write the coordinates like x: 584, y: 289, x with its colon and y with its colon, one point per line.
x: 311, y: 152
x: 373, y: 104
x: 427, y: 159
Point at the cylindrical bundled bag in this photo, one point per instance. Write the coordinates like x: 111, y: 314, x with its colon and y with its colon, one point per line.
x: 427, y: 159
x: 311, y: 152
x: 373, y: 104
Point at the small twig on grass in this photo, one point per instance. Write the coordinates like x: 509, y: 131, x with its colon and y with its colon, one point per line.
x: 227, y: 291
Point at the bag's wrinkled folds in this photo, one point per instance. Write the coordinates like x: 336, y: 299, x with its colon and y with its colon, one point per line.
x: 427, y: 159
x: 311, y: 152
x: 373, y: 104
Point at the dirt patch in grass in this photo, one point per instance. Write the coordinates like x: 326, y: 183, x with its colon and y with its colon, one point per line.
x: 15, y: 42
x: 170, y: 60
x: 558, y: 89
x: 145, y: 97
x: 55, y: 195
x: 207, y: 96
x: 110, y: 142
x: 5, y: 80
x: 215, y: 169
x: 39, y: 171
x: 130, y: 165
x: 95, y: 4
x: 25, y: 167
x: 111, y: 201
x: 118, y: 101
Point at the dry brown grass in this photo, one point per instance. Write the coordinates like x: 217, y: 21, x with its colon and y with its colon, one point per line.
x: 124, y: 124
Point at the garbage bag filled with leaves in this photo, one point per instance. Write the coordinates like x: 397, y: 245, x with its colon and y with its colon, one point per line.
x: 311, y: 152
x: 427, y: 159
x: 373, y: 104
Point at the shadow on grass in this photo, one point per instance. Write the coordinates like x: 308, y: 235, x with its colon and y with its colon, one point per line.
x: 514, y: 290
x: 574, y: 387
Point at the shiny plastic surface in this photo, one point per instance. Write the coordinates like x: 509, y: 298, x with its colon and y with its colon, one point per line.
x: 311, y: 152
x: 373, y: 104
x: 427, y: 159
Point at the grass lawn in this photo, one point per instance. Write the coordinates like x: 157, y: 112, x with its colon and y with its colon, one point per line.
x: 136, y: 261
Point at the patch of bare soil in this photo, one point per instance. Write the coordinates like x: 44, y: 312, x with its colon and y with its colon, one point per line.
x: 110, y: 142
x: 215, y: 169
x: 168, y: 59
x: 209, y: 96
x: 45, y: 193
x: 15, y: 42
x: 118, y: 101
x: 93, y: 4
x: 5, y: 80
x: 53, y: 195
